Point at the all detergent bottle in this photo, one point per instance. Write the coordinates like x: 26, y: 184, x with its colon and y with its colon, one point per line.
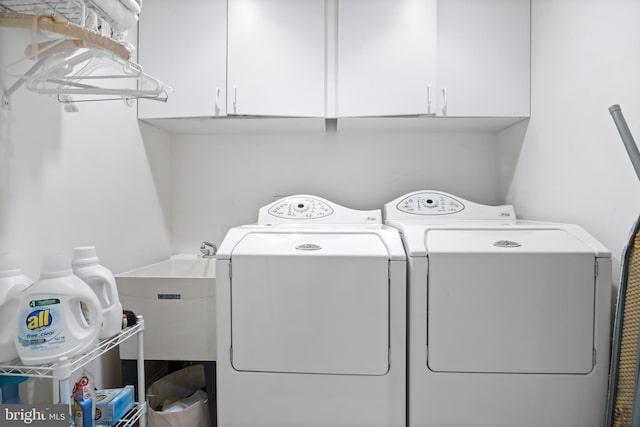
x: 101, y: 280
x: 12, y: 282
x: 59, y: 315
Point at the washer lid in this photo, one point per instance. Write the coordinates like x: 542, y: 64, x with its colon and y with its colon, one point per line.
x: 311, y: 244
x: 514, y: 301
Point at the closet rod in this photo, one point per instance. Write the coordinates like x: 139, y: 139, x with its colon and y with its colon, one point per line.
x: 60, y: 25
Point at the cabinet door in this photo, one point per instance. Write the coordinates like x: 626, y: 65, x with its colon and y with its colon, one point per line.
x: 386, y: 57
x: 276, y: 59
x: 185, y: 47
x: 483, y: 57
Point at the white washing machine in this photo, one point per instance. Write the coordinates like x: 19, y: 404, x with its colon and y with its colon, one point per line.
x: 311, y: 312
x: 508, y: 319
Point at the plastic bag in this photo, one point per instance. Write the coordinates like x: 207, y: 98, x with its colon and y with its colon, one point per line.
x: 180, y: 386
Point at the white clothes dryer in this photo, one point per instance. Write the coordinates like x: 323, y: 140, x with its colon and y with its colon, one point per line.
x: 311, y: 312
x: 508, y: 319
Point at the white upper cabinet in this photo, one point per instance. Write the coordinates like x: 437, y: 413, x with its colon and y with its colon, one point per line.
x: 386, y: 57
x: 338, y: 58
x: 483, y: 58
x: 276, y: 58
x: 186, y: 48
x: 463, y: 58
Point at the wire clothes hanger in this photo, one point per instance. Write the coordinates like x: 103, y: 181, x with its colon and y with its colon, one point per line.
x: 77, y: 74
x: 75, y: 69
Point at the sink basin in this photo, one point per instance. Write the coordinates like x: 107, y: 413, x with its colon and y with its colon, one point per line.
x: 179, y: 266
x: 177, y: 299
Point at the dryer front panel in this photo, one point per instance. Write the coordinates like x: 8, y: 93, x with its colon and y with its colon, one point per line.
x: 509, y: 302
x: 310, y: 303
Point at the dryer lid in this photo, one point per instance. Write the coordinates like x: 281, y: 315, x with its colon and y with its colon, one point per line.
x: 485, y: 241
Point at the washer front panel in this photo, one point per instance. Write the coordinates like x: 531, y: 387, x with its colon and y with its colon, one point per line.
x: 322, y: 311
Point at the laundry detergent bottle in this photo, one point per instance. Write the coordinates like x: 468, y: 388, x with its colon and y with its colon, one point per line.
x: 100, y: 279
x: 58, y: 316
x: 12, y: 282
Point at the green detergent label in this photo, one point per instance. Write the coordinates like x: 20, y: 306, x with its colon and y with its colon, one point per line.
x: 43, y: 302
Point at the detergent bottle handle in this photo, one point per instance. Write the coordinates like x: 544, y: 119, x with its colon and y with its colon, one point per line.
x: 87, y: 313
x: 106, y: 294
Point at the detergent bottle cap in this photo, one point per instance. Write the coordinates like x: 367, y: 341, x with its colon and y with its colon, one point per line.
x: 54, y: 266
x: 83, y: 255
x: 8, y: 265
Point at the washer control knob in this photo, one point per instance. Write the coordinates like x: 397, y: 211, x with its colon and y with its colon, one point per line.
x: 429, y: 203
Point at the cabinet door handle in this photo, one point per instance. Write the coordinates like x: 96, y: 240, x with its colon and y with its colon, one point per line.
x: 217, y: 101
x: 444, y: 101
x: 235, y: 99
x: 428, y: 99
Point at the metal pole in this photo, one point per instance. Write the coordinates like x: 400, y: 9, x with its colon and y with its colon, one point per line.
x: 140, y: 366
x: 627, y: 138
x: 634, y: 156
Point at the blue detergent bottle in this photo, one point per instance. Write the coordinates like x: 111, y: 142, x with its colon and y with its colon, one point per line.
x: 9, y: 389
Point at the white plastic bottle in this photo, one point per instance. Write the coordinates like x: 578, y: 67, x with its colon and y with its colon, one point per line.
x: 101, y: 280
x: 59, y: 315
x: 12, y: 282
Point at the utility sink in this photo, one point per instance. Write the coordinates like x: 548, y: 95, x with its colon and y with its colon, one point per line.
x: 178, y: 301
x: 179, y: 266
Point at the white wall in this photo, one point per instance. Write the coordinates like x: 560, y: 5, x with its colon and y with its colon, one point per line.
x: 85, y: 178
x: 220, y: 181
x: 572, y: 165
x: 98, y: 177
